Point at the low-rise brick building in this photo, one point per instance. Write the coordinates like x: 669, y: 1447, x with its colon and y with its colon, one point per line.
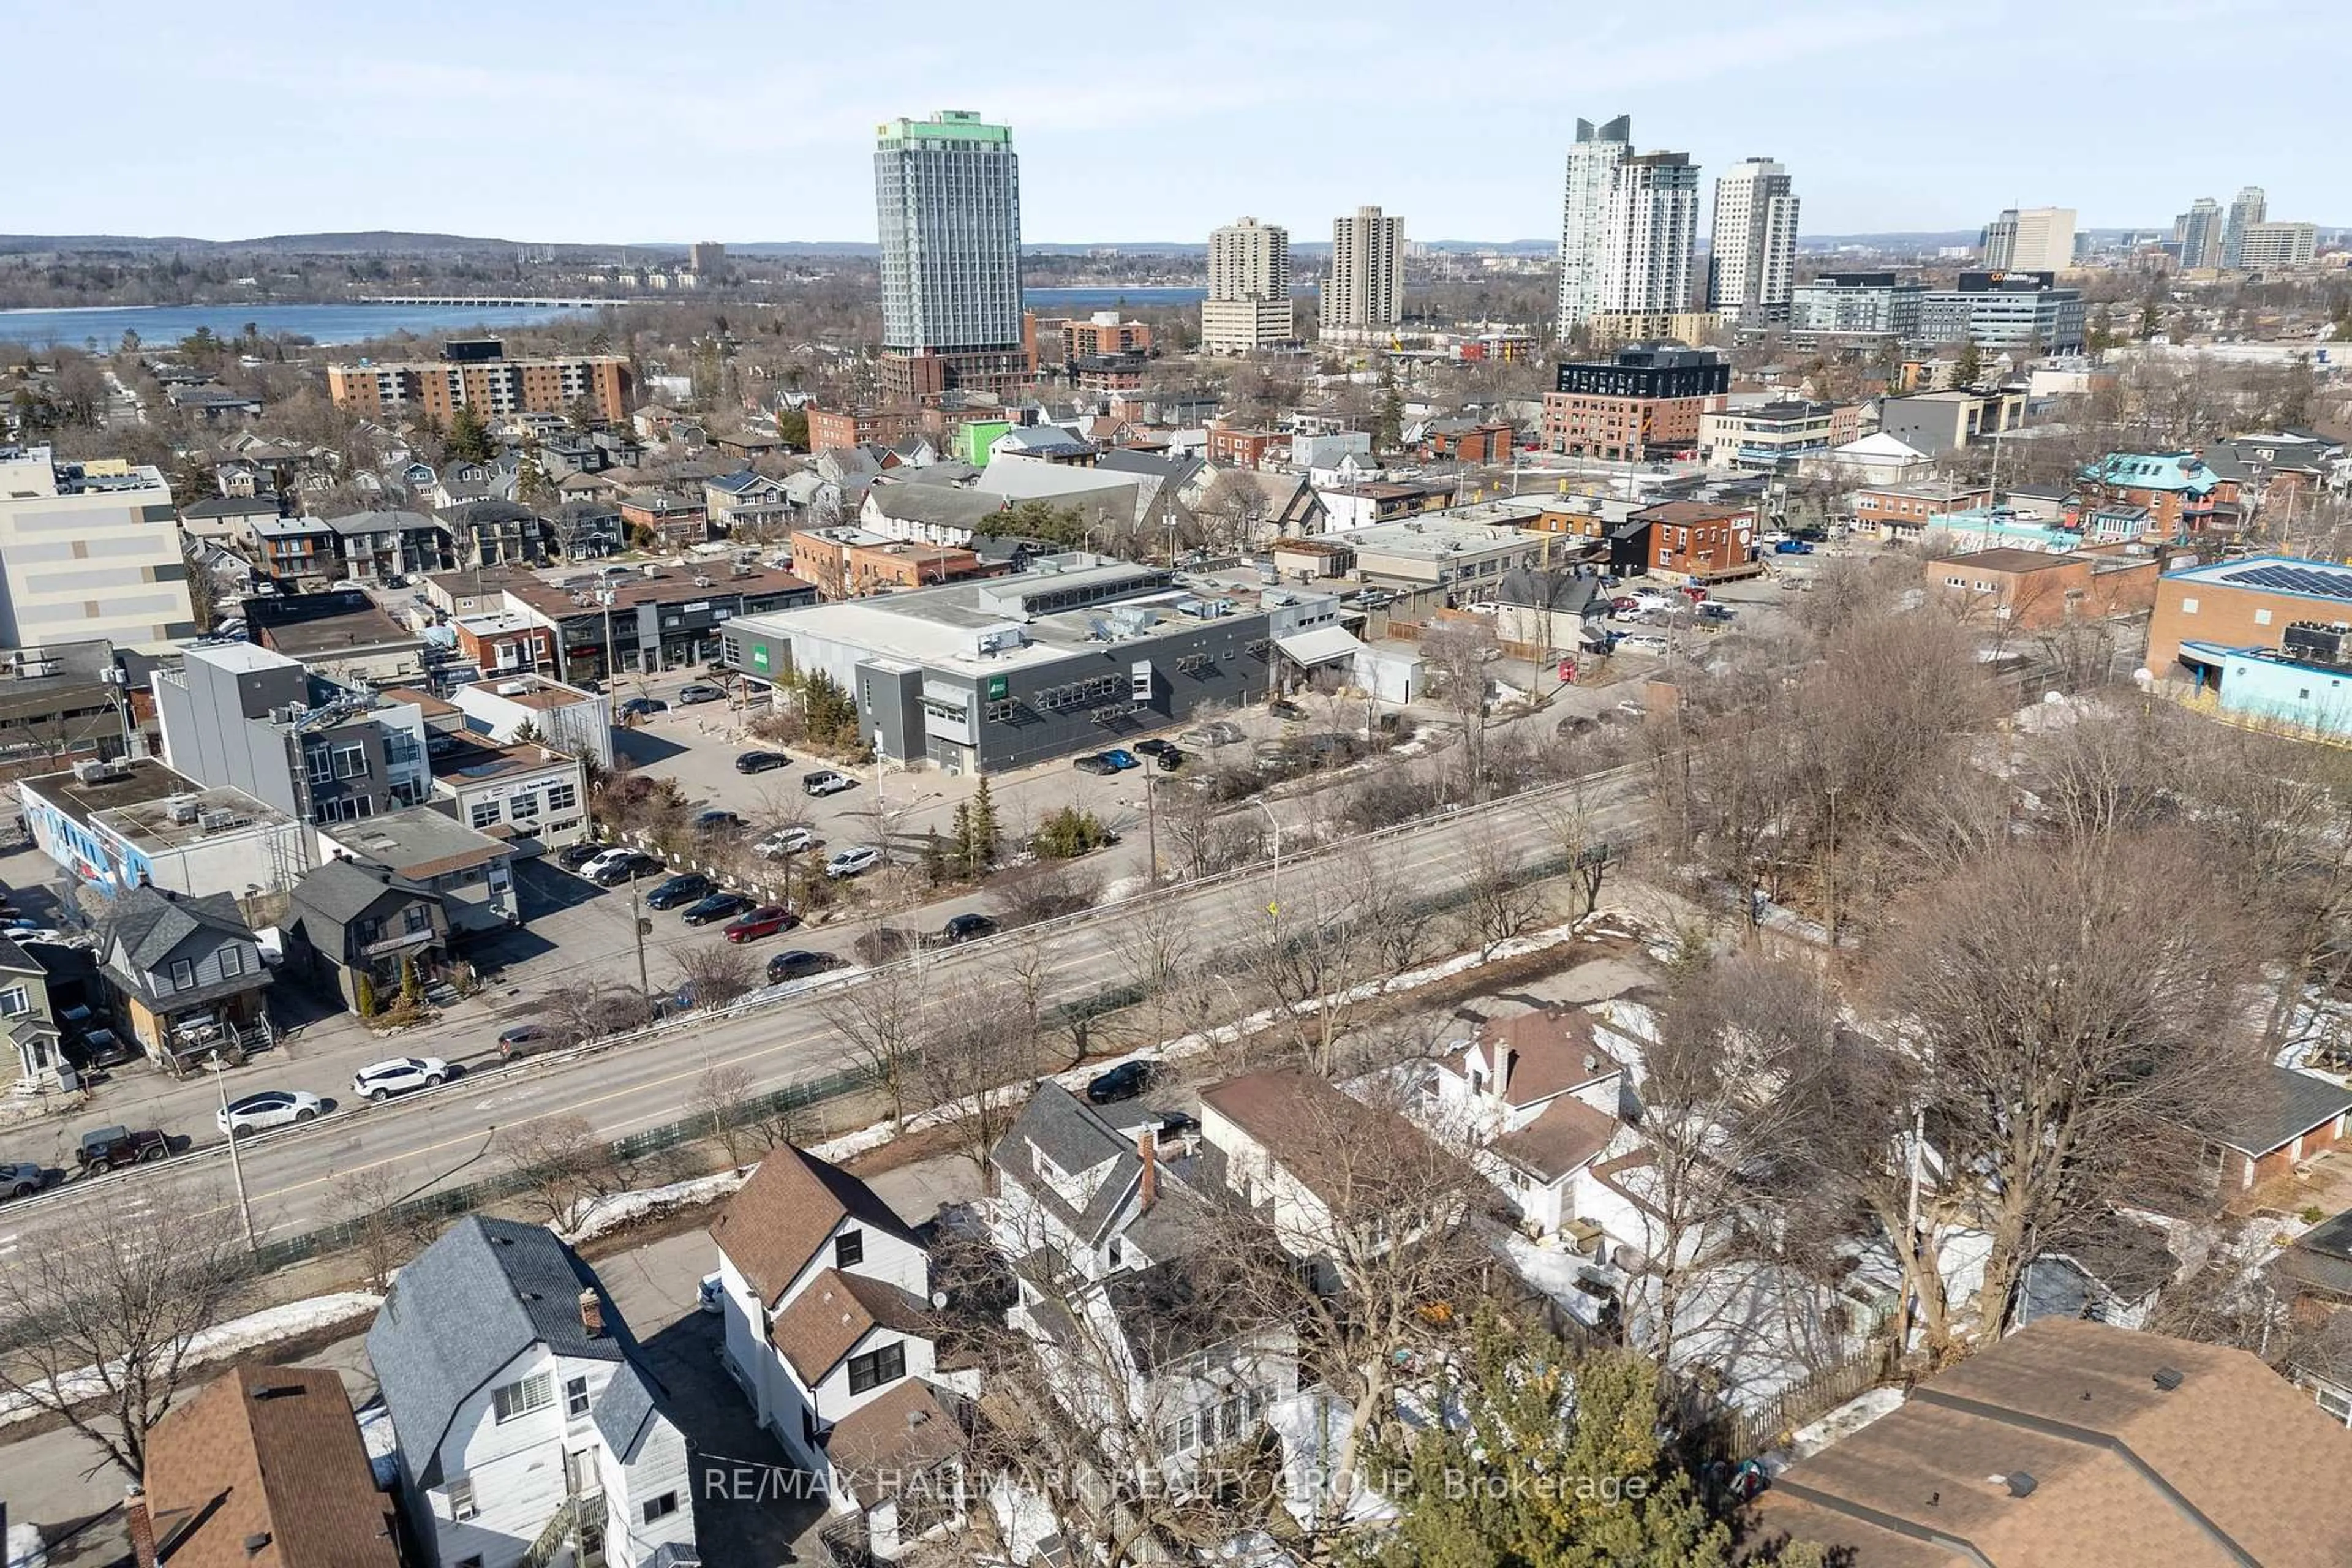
x: 1701, y: 541
x: 2239, y: 604
x: 2032, y: 590
x: 1644, y: 404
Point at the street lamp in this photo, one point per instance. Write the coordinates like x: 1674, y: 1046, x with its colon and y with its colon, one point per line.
x: 236, y: 1163
x: 1274, y: 902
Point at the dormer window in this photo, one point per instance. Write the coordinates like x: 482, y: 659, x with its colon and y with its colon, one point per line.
x: 848, y: 1248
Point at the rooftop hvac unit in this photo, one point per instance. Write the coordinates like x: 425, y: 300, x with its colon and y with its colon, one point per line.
x: 2312, y: 640
x: 703, y: 582
x: 221, y: 821
x: 98, y: 770
x: 513, y: 688
x: 32, y: 668
x: 181, y: 809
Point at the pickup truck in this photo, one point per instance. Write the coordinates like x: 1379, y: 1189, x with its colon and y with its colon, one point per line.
x: 1792, y: 547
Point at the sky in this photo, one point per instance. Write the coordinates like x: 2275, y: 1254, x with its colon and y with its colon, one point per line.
x: 594, y: 120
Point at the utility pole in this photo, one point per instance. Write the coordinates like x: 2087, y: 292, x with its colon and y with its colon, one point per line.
x: 1151, y: 830
x: 638, y: 929
x: 1829, y: 898
x: 236, y: 1165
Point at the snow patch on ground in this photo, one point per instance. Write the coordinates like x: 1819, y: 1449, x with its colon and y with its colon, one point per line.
x: 1313, y: 1428
x: 233, y: 1338
x: 1554, y: 1270
x: 602, y: 1216
x: 382, y: 1442
x: 25, y: 1548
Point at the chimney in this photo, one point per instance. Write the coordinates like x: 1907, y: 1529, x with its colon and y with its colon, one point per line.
x: 141, y: 1524
x: 592, y: 1315
x: 1146, y: 1149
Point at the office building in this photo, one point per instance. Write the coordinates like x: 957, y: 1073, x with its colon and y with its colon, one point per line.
x: 1365, y: 287
x: 1584, y: 230
x: 2270, y: 246
x: 475, y: 374
x: 1653, y: 234
x: 2250, y: 206
x: 88, y: 551
x: 1774, y: 438
x: 1248, y: 306
x: 946, y: 195
x: 2029, y: 240
x: 2002, y: 312
x: 1879, y: 303
x: 1753, y: 261
x: 2199, y: 232
x: 1644, y: 403
x: 1068, y: 656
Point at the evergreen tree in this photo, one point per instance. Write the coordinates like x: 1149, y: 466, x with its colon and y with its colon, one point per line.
x: 469, y: 439
x: 962, y: 839
x: 1554, y: 1465
x: 1970, y: 365
x: 935, y: 860
x: 986, y: 842
x: 1388, y: 417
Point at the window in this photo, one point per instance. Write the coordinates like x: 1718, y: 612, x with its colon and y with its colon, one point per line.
x: 575, y: 1398
x: 351, y: 762
x: 562, y: 797
x: 2187, y: 607
x: 482, y: 813
x: 520, y: 806
x: 875, y: 1368
x: 416, y: 917
x: 661, y: 1507
x: 461, y: 1499
x: 849, y: 1247
x: 13, y: 1001
x: 523, y: 1396
x: 232, y: 962
x: 183, y: 974
x: 2261, y: 617
x: 321, y: 767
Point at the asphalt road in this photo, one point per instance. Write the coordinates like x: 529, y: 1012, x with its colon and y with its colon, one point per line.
x: 450, y: 1135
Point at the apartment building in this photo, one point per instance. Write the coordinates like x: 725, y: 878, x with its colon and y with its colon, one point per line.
x: 946, y: 195
x: 2274, y: 247
x: 1700, y: 541
x: 2251, y: 205
x: 1752, y: 259
x: 1584, y: 229
x: 1644, y: 403
x: 88, y: 550
x: 1874, y: 303
x: 1249, y: 305
x: 1653, y: 234
x: 1365, y: 287
x: 475, y: 374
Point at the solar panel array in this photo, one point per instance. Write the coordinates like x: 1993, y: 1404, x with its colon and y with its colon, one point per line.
x: 2295, y: 580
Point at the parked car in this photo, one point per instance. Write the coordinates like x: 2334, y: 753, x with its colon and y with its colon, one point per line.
x: 642, y: 708
x: 1124, y: 1081
x: 1154, y: 746
x: 1283, y: 707
x: 527, y: 1040
x: 699, y: 692
x: 633, y: 865
x: 1794, y: 547
x: 967, y: 928
x: 270, y: 1107
x: 787, y: 841
x: 1169, y: 761
x: 577, y: 857
x: 826, y: 781
x: 402, y: 1074
x: 1715, y: 610
x: 112, y: 1148
x: 22, y: 1181
x: 611, y: 855
x: 852, y: 861
x: 1575, y: 724
x: 1215, y: 732
x: 798, y: 964
x: 762, y: 762
x: 765, y: 921
x: 1095, y: 763
x: 716, y: 823
x: 716, y: 907
x: 1121, y: 758
x: 685, y: 888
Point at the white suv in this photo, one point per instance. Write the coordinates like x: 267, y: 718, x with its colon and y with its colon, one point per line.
x: 400, y: 1075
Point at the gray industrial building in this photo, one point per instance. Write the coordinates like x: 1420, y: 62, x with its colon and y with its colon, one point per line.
x: 1069, y: 657
x: 2005, y: 312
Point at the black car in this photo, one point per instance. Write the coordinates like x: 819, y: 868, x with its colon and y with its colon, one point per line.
x: 1169, y: 761
x: 1095, y: 763
x: 716, y: 824
x: 643, y: 707
x: 628, y: 868
x: 1283, y: 707
x: 1153, y: 747
x: 762, y: 762
x: 1124, y: 1081
x: 716, y: 907
x: 798, y: 964
x: 682, y: 888
x: 967, y: 928
x: 571, y: 857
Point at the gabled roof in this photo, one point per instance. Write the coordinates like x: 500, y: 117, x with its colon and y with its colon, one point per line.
x: 1567, y: 1135
x: 150, y: 921
x: 1077, y: 1140
x: 1313, y: 1129
x: 467, y: 1306
x: 343, y: 890
x: 793, y: 1202
x: 941, y: 504
x: 835, y: 1310
x: 1552, y: 1053
x: 2273, y: 1108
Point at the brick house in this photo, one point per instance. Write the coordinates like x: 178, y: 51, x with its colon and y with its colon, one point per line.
x: 1232, y: 448
x: 2282, y: 1119
x: 2182, y: 494
x: 1469, y: 440
x: 1701, y: 541
x: 1906, y: 510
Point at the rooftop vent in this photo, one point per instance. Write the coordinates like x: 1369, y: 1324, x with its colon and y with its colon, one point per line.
x: 2168, y: 1378
x: 2020, y: 1483
x: 181, y: 809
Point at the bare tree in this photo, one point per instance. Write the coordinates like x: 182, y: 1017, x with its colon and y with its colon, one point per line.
x: 716, y: 974
x: 720, y: 1093
x: 564, y: 1163
x: 879, y: 1020
x: 101, y: 1327
x: 1499, y: 900
x: 368, y: 1200
x: 1457, y: 653
x: 980, y: 1061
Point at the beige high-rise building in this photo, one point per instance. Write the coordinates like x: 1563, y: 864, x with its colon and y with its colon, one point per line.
x: 2270, y: 246
x: 2031, y: 239
x: 1365, y: 287
x: 1752, y: 256
x: 88, y: 550
x: 1249, y: 304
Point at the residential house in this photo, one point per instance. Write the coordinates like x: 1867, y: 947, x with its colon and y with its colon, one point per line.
x: 1899, y: 512
x: 1291, y: 506
x: 1468, y: 440
x: 1543, y: 1102
x: 2280, y: 1119
x: 187, y: 976
x: 825, y: 1306
x: 296, y: 553
x: 671, y: 519
x: 927, y: 514
x: 379, y: 546
x: 747, y: 502
x: 2182, y: 494
x: 34, y: 1036
x: 489, y: 530
x: 1234, y: 447
x: 363, y: 931
x: 505, y: 642
x: 1877, y: 458
x: 227, y: 519
x: 471, y: 872
x: 2078, y: 1442
x: 263, y: 1467
x: 568, y: 718
x: 526, y: 1415
x: 587, y: 527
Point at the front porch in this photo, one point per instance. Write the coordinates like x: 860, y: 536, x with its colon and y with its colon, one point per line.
x: 181, y: 1039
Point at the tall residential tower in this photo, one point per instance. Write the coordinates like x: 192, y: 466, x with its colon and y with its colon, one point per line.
x: 2250, y: 207
x: 1753, y: 264
x: 1248, y: 305
x: 2031, y: 239
x: 1365, y: 287
x: 1592, y: 162
x: 947, y: 195
x: 2200, y: 229
x: 1653, y: 235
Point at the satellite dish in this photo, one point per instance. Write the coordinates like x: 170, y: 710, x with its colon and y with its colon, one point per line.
x: 939, y: 1299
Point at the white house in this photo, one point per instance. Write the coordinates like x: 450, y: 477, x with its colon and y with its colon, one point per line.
x: 525, y: 1417
x: 1544, y: 1104
x: 826, y: 1314
x: 568, y: 718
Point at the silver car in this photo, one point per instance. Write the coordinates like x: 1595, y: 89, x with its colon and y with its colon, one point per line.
x: 22, y: 1181
x: 270, y: 1107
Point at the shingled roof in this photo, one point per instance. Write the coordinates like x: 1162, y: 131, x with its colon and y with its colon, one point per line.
x: 771, y: 1228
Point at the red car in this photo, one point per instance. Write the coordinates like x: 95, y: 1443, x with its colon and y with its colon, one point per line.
x: 765, y: 921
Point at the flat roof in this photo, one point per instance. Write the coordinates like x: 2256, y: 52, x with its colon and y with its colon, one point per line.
x: 475, y: 758
x: 239, y: 658
x: 2003, y: 557
x: 1433, y: 536
x: 134, y: 793
x: 2289, y: 576
x: 419, y: 842
x: 351, y: 631
x: 538, y: 692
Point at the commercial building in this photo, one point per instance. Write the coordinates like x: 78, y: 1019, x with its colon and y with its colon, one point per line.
x: 2250, y: 206
x: 1752, y: 261
x: 1653, y: 234
x: 567, y: 718
x: 946, y: 195
x: 1905, y: 511
x: 1700, y: 541
x: 2241, y: 605
x: 1876, y: 303
x: 1584, y: 225
x: 1935, y: 422
x: 1248, y: 305
x: 1068, y: 656
x: 1774, y: 438
x: 2024, y: 312
x: 1365, y: 285
x: 1467, y: 550
x: 661, y: 618
x: 2275, y: 246
x: 2031, y: 239
x: 2033, y: 590
x: 88, y: 550
x: 2199, y: 231
x: 473, y: 373
x: 1644, y: 402
x: 532, y: 795
x: 115, y: 825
